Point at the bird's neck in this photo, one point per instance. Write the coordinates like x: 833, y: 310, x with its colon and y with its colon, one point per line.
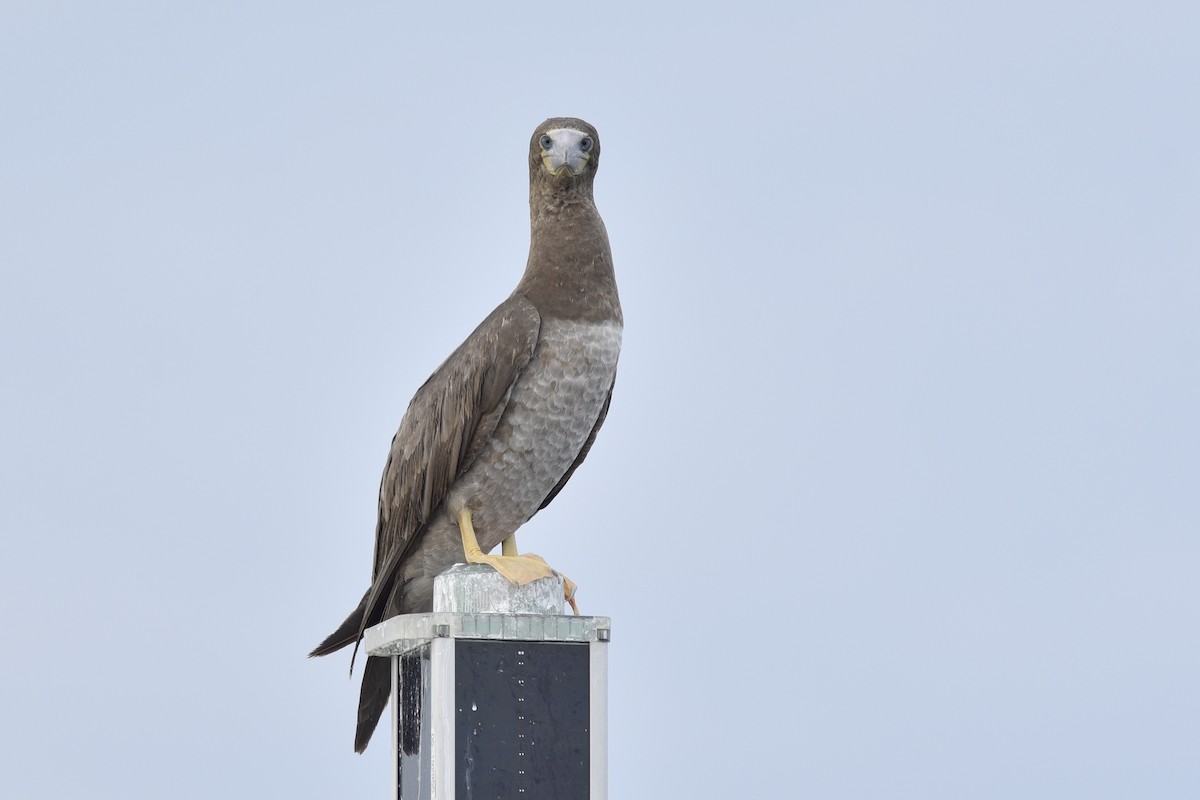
x: 569, y: 274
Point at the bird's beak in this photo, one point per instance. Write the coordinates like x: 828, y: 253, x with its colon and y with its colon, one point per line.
x: 563, y: 161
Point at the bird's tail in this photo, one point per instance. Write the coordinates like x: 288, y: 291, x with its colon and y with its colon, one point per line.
x: 346, y: 634
x: 373, y: 699
x: 377, y: 679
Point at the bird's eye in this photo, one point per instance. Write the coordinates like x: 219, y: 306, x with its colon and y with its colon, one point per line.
x: 585, y: 144
x: 545, y: 141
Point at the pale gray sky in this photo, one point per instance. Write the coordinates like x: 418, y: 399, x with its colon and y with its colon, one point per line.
x: 898, y: 497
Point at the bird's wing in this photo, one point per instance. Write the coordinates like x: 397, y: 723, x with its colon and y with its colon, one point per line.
x: 447, y: 422
x: 583, y: 451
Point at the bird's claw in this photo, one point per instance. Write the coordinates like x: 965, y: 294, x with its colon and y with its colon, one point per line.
x: 569, y: 589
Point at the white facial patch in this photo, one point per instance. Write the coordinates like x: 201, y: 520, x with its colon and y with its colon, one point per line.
x: 567, y: 152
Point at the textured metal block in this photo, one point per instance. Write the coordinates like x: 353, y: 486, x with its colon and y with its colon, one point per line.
x: 479, y: 589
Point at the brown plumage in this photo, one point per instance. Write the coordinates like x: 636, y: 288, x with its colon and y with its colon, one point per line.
x: 503, y: 423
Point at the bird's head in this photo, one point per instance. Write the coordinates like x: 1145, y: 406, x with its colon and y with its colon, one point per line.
x: 564, y: 150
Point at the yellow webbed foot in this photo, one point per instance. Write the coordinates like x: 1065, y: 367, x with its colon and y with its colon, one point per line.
x: 516, y: 568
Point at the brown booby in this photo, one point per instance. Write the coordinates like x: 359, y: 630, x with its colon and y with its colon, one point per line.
x: 499, y: 428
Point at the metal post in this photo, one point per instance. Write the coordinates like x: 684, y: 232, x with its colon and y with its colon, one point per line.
x: 497, y: 692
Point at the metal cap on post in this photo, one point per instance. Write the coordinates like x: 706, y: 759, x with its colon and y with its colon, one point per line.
x: 497, y: 693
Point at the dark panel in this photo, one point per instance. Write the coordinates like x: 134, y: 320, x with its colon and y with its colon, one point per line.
x: 413, y: 718
x: 521, y: 720
x: 410, y: 702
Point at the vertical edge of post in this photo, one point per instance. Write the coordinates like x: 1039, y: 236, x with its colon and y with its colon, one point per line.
x: 395, y: 716
x: 442, y: 771
x: 598, y: 699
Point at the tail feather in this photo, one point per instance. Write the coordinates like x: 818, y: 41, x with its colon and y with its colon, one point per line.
x: 347, y: 633
x: 377, y: 679
x: 373, y: 699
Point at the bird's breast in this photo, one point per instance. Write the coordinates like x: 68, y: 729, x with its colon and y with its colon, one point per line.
x: 551, y: 411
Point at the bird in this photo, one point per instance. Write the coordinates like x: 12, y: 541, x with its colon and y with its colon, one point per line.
x: 496, y: 432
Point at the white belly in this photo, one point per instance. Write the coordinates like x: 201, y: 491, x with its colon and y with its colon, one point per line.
x: 550, y: 415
